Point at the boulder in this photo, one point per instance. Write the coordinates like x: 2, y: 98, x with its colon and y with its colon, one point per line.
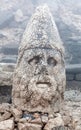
x: 7, y: 124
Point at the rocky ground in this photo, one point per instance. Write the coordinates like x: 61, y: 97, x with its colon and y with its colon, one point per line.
x: 12, y: 118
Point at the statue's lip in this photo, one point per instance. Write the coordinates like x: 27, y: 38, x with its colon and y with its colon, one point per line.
x: 43, y: 83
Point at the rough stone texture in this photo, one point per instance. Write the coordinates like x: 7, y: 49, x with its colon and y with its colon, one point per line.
x: 16, y: 113
x: 69, y: 118
x: 4, y: 112
x: 4, y: 115
x: 44, y: 118
x: 55, y: 123
x: 39, y: 78
x: 7, y: 124
x: 75, y: 113
x: 39, y: 81
x: 72, y: 95
x: 29, y: 126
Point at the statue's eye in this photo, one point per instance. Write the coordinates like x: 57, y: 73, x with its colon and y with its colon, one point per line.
x: 51, y: 61
x: 34, y: 60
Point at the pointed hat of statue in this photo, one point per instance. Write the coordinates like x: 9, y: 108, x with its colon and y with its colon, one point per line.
x: 41, y: 32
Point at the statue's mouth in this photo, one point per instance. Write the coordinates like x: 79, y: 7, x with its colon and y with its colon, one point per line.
x: 43, y: 84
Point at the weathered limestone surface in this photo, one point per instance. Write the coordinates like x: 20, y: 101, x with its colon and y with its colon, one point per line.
x: 73, y: 74
x: 4, y: 112
x: 39, y: 78
x: 16, y: 113
x: 74, y: 112
x: 39, y: 81
x: 29, y: 126
x: 56, y: 122
x: 7, y: 124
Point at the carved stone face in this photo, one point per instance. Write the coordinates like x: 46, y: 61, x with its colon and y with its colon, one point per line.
x: 39, y: 80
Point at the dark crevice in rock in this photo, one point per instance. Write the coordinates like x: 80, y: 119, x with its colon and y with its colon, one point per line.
x: 5, y: 94
x: 43, y: 126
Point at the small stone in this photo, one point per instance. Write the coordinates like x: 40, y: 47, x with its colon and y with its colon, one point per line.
x: 4, y: 116
x: 36, y: 121
x: 54, y: 123
x: 4, y: 111
x: 4, y: 107
x: 50, y: 116
x: 29, y: 126
x: 44, y: 118
x: 66, y: 128
x: 7, y: 124
x: 22, y: 120
x: 60, y: 128
x: 36, y: 115
x: 66, y: 120
x: 78, y: 127
x: 16, y: 113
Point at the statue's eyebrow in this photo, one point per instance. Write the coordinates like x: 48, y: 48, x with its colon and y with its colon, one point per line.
x: 53, y: 53
x: 32, y: 55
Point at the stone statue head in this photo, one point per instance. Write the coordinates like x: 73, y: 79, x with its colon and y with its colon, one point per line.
x: 39, y: 77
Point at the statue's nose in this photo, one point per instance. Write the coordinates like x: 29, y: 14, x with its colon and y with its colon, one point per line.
x: 44, y: 69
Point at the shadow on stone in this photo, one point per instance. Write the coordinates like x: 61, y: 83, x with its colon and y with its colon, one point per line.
x: 5, y: 94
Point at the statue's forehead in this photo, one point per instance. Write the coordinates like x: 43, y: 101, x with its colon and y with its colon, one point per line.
x: 37, y: 51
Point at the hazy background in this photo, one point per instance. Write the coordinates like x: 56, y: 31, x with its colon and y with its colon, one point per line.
x: 14, y: 16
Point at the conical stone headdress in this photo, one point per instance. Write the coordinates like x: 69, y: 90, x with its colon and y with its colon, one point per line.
x: 41, y: 32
